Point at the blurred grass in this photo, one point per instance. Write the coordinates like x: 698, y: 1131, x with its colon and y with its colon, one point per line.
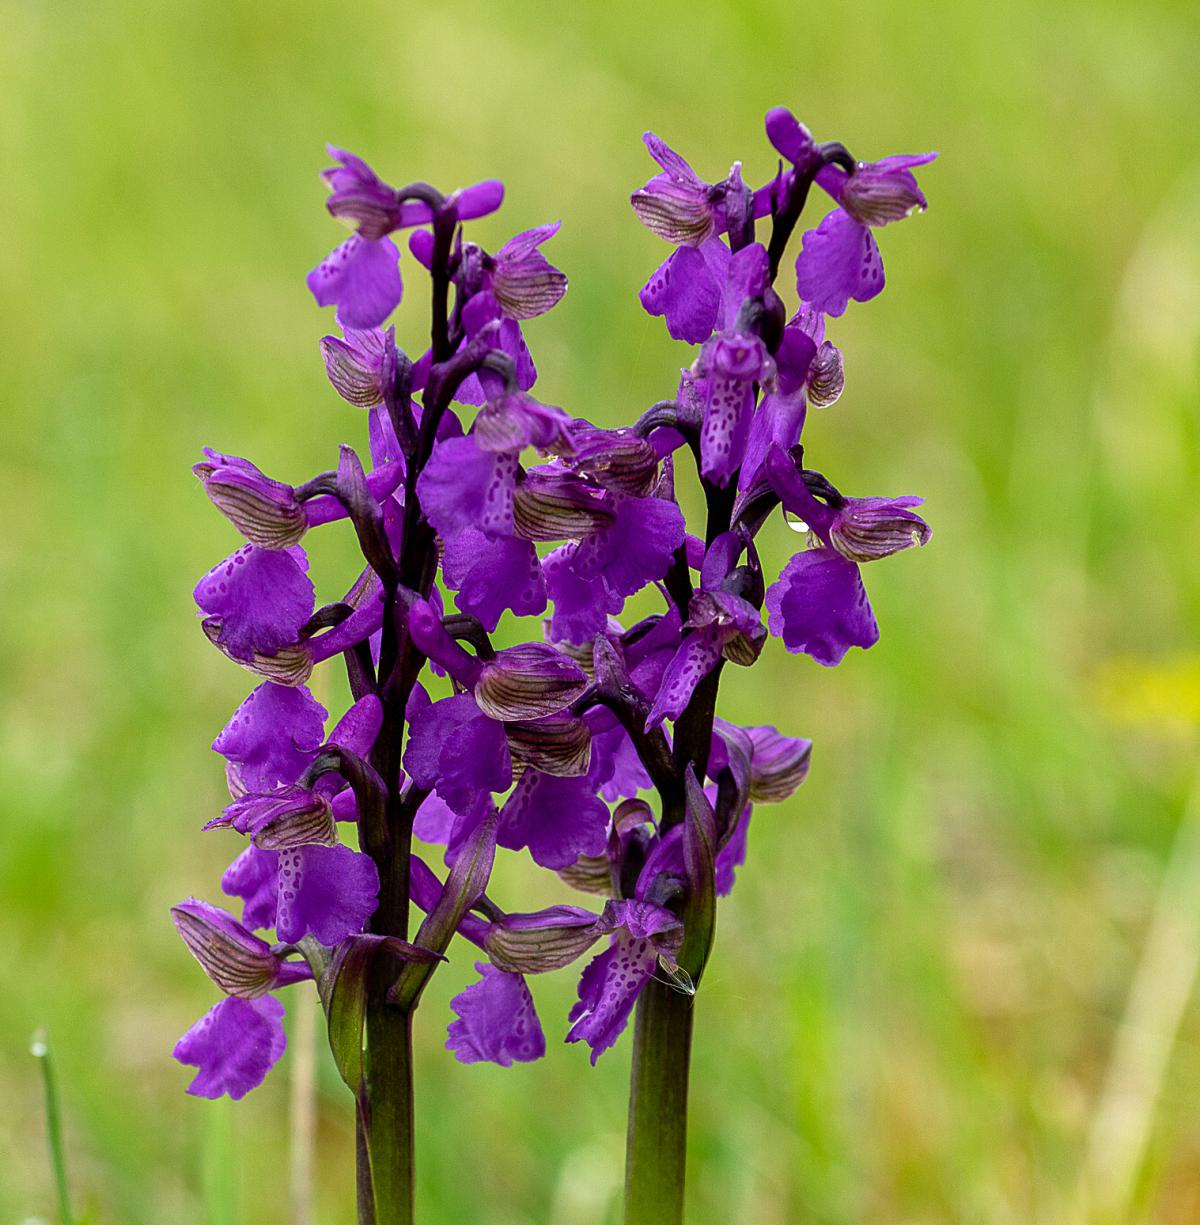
x: 919, y: 978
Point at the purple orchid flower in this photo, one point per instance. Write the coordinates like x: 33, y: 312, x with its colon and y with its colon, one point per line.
x: 809, y: 370
x: 819, y: 605
x: 361, y: 277
x: 497, y: 292
x: 840, y: 259
x: 720, y: 624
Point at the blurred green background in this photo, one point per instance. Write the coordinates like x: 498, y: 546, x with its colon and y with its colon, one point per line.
x: 954, y: 983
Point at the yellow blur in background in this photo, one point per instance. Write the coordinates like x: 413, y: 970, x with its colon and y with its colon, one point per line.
x: 955, y: 982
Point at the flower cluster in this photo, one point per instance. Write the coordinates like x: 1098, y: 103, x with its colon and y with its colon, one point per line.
x: 595, y: 747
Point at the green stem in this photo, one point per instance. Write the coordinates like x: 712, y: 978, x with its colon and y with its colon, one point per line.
x: 390, y: 1140
x: 656, y: 1142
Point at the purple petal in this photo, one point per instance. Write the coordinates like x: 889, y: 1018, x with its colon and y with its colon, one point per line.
x: 454, y: 747
x: 491, y: 576
x: 558, y: 819
x: 362, y: 279
x: 638, y: 546
x: 696, y: 658
x: 435, y: 821
x: 608, y: 990
x: 819, y: 607
x: 357, y: 728
x: 582, y: 600
x: 686, y: 290
x: 838, y: 261
x: 616, y: 771
x: 671, y: 162
x: 464, y: 487
x: 729, y: 367
x: 260, y: 599
x: 479, y: 199
x: 496, y: 1022
x: 328, y: 891
x: 746, y: 278
x: 647, y: 659
x: 779, y: 420
x: 234, y: 1045
x: 254, y: 877
x: 273, y: 735
x: 481, y: 310
x: 732, y: 855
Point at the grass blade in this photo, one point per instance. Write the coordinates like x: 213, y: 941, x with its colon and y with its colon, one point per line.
x: 40, y: 1050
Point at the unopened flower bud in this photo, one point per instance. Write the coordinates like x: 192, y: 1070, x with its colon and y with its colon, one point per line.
x: 559, y: 744
x: 546, y: 940
x: 265, y: 511
x: 559, y: 506
x: 866, y: 529
x: 826, y: 376
x: 289, y: 816
x: 528, y: 681
x: 235, y: 959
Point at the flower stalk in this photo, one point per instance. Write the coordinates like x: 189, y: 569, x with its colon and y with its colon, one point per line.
x: 656, y: 1141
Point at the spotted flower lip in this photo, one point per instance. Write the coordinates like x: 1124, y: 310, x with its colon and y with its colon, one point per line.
x: 256, y: 601
x: 361, y: 277
x: 612, y: 981
x: 495, y: 1020
x: 233, y: 1046
x: 729, y: 367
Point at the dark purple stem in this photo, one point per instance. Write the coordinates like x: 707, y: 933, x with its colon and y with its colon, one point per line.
x: 385, y: 1120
